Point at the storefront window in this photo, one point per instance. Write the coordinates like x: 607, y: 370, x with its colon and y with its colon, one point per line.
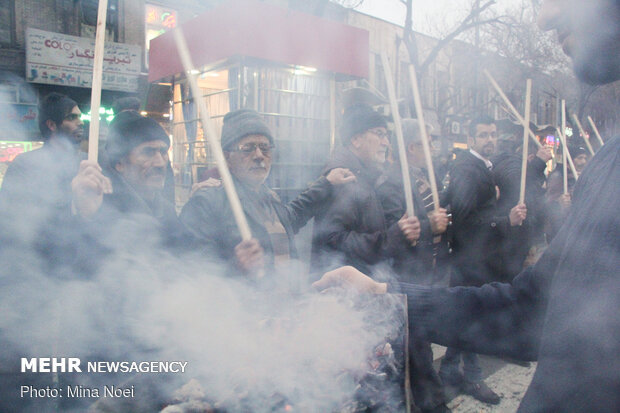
x: 295, y: 103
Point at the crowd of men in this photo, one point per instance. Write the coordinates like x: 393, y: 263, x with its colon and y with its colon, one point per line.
x: 478, y: 234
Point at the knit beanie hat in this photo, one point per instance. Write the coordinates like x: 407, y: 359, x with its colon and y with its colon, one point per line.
x: 241, y: 123
x: 359, y: 118
x: 129, y: 130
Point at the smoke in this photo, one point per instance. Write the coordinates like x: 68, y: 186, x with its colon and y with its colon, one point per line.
x: 241, y: 341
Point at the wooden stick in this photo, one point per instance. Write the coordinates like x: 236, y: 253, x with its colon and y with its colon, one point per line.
x: 514, y: 111
x: 404, y: 165
x: 423, y: 133
x: 95, y: 95
x: 595, y: 129
x: 569, y: 157
x: 582, y: 132
x: 528, y: 94
x: 212, y: 138
x: 565, y: 153
x: 332, y: 114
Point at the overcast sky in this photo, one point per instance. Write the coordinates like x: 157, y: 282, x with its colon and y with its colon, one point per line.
x: 430, y: 16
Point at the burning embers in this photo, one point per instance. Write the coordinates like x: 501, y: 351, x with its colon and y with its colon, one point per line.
x: 376, y: 383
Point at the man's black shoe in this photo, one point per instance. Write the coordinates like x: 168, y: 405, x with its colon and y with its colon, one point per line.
x: 481, y: 392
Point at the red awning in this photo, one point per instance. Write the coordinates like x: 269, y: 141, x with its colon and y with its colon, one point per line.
x: 259, y: 30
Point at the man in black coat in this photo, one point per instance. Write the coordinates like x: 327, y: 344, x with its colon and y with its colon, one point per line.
x: 478, y: 233
x: 564, y: 310
x: 248, y: 146
x: 352, y: 230
x: 36, y: 190
x: 417, y: 265
x: 507, y: 176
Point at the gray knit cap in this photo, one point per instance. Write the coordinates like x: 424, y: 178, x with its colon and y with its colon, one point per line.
x: 241, y: 123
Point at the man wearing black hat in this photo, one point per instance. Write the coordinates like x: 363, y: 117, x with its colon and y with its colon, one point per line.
x: 248, y: 147
x: 352, y: 229
x: 131, y: 181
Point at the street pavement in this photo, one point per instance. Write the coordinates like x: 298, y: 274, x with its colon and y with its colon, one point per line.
x: 508, y: 380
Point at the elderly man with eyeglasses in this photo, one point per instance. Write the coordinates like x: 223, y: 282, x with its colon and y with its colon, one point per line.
x: 352, y: 230
x: 248, y: 146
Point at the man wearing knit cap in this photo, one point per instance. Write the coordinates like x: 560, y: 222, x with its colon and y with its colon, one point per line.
x: 352, y: 230
x: 248, y: 146
x: 130, y: 181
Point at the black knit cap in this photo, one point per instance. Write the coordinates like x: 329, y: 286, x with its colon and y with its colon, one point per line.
x: 129, y: 130
x: 241, y: 123
x: 359, y: 118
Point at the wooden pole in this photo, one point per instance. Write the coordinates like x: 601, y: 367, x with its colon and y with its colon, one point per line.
x: 212, y: 138
x: 95, y: 95
x: 595, y: 129
x: 404, y: 165
x: 424, y: 134
x: 332, y: 114
x: 565, y: 153
x: 582, y: 132
x: 528, y: 94
x: 514, y: 110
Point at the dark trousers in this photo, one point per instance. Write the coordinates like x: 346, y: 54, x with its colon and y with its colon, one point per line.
x: 426, y: 386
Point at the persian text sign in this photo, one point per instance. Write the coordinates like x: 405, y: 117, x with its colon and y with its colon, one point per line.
x: 60, y: 59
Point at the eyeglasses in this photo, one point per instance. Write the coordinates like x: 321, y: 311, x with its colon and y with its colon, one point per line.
x: 250, y: 148
x: 486, y: 135
x: 380, y: 133
x: 73, y: 116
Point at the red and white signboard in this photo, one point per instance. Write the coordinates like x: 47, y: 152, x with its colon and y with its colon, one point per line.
x: 64, y: 60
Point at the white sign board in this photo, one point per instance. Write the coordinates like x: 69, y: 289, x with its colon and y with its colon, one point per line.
x: 64, y: 60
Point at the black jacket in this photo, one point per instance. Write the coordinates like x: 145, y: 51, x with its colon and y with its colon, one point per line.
x: 415, y: 264
x: 351, y: 230
x: 478, y: 229
x: 35, y: 202
x: 209, y: 217
x: 563, y: 311
x: 507, y: 176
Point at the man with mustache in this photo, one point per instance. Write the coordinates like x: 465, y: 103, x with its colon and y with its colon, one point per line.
x: 130, y: 181
x: 248, y: 147
x: 478, y: 232
x: 563, y: 311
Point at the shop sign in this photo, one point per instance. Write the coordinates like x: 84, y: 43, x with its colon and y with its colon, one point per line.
x: 160, y: 18
x: 64, y: 60
x: 18, y: 121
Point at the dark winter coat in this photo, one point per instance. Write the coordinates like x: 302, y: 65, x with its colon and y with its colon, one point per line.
x: 507, y: 176
x: 352, y: 230
x: 415, y: 264
x: 563, y: 311
x: 35, y: 202
x: 478, y: 229
x: 209, y: 217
